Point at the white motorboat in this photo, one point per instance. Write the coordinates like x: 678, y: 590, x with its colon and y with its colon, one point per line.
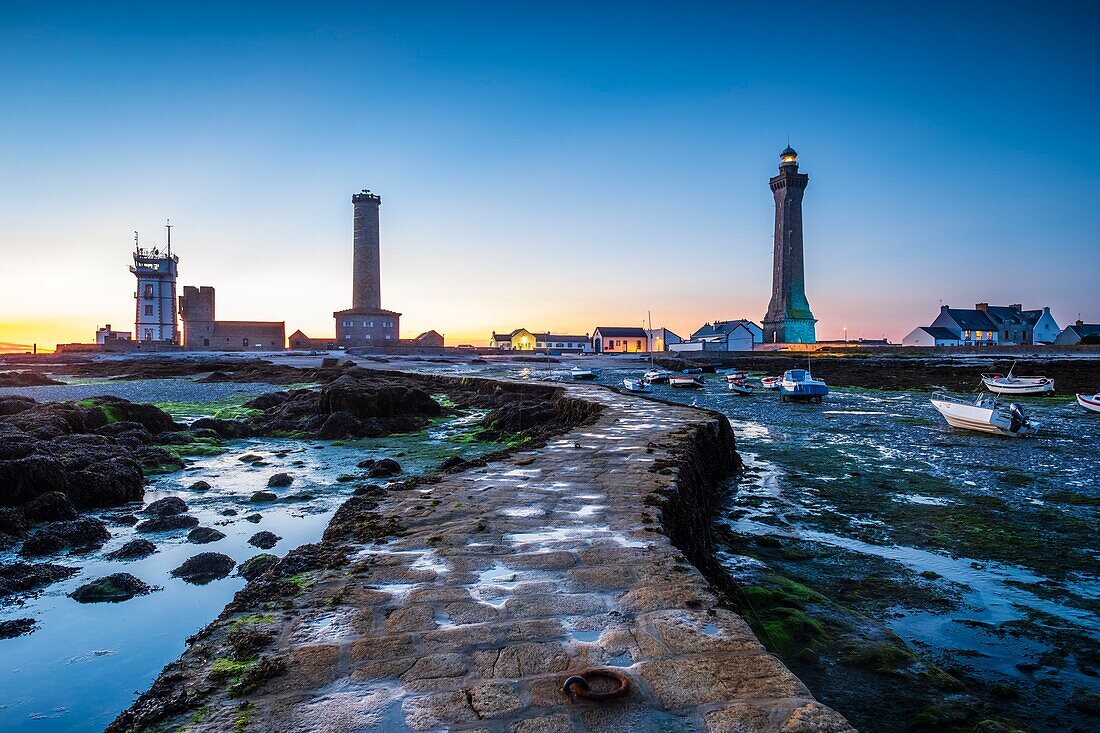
x: 798, y: 385
x: 739, y: 386
x: 635, y: 385
x: 986, y: 414
x: 685, y: 381
x: 1011, y: 384
x: 736, y: 375
x: 1092, y: 404
x: 771, y: 382
x: 656, y: 376
x: 584, y: 374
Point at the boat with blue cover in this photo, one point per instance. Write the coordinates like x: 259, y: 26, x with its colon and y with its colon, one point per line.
x: 798, y: 385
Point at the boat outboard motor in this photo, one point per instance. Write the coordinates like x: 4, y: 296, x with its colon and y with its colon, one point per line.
x: 1018, y: 418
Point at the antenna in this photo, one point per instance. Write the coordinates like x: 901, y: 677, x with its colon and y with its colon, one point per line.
x: 136, y: 245
x: 168, y: 226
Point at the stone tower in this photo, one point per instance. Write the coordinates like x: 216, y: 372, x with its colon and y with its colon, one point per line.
x: 197, y: 312
x: 366, y: 288
x: 789, y: 319
x: 155, y: 297
x: 366, y: 323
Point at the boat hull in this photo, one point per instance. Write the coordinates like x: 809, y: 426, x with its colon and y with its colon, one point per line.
x: 685, y: 382
x: 635, y: 385
x: 1019, y: 386
x: 979, y: 419
x: 584, y: 376
x: 1092, y: 404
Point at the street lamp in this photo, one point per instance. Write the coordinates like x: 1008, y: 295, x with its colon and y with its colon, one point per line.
x: 845, y: 334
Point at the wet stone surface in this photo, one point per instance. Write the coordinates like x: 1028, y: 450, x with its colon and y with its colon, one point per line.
x: 503, y: 580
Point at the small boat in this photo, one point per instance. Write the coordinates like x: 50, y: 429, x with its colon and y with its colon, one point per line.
x: 798, y: 385
x: 771, y: 382
x: 635, y: 385
x: 739, y: 386
x: 584, y: 374
x: 1011, y: 384
x: 736, y: 375
x: 1092, y: 404
x: 685, y: 381
x: 692, y: 370
x: 656, y: 376
x: 986, y: 414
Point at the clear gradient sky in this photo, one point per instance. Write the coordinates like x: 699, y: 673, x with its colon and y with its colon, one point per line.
x: 554, y: 166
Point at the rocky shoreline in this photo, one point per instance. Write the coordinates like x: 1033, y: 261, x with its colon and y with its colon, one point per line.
x: 458, y: 601
x: 61, y: 460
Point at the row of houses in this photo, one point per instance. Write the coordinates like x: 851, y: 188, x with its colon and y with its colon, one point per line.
x: 739, y: 335
x: 998, y: 325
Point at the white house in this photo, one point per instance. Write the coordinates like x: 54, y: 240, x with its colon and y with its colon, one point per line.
x: 931, y: 336
x: 739, y: 335
x: 660, y: 339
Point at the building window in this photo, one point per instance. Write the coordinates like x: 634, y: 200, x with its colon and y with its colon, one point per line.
x: 244, y: 342
x: 388, y: 337
x: 148, y: 310
x: 367, y: 337
x: 148, y: 334
x: 347, y: 335
x: 148, y: 290
x: 206, y: 342
x: 638, y: 343
x: 369, y: 324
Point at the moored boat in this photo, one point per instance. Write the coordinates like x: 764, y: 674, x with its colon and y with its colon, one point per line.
x: 739, y: 386
x: 635, y: 385
x: 692, y: 370
x: 685, y: 381
x: 798, y: 385
x: 736, y: 375
x: 1092, y: 404
x: 583, y: 374
x: 1011, y: 384
x: 986, y: 414
x: 656, y: 376
x: 771, y: 382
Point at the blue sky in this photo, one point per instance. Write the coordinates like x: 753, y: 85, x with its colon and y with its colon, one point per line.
x: 554, y: 167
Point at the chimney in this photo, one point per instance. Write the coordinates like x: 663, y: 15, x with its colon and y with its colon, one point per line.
x: 1017, y: 306
x: 983, y: 307
x: 1080, y: 323
x: 944, y: 308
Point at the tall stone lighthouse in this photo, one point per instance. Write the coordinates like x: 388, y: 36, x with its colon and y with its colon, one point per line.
x: 789, y: 319
x: 366, y: 323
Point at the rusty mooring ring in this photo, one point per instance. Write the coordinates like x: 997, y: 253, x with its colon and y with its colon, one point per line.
x: 578, y: 684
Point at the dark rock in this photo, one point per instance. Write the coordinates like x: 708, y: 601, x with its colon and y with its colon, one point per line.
x: 111, y: 589
x: 384, y: 468
x: 300, y: 496
x: 110, y: 482
x: 254, y: 518
x: 454, y: 463
x: 261, y: 496
x: 226, y: 429
x: 176, y: 437
x: 22, y: 479
x: 86, y: 533
x: 134, y: 432
x: 341, y: 425
x: 205, y: 567
x: 267, y: 401
x: 345, y: 479
x: 228, y: 512
x: 264, y: 540
x: 199, y: 486
x: 20, y: 577
x: 152, y: 418
x: 280, y: 479
x: 249, y: 458
x: 167, y: 523
x: 366, y: 463
x: 256, y: 566
x: 53, y: 506
x: 126, y: 520
x: 26, y: 379
x: 167, y: 506
x: 204, y: 535
x: 16, y: 627
x: 369, y: 490
x: 133, y: 550
x: 13, y: 523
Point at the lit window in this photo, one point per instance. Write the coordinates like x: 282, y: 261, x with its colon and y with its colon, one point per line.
x: 148, y: 310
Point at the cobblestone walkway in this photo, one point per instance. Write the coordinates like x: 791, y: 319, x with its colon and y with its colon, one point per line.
x: 508, y: 578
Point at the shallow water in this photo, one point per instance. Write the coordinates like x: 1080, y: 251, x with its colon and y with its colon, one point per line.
x: 84, y: 662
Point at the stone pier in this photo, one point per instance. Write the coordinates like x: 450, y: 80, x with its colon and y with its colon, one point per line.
x: 461, y: 604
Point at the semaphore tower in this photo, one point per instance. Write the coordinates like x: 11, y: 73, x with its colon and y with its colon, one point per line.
x: 789, y: 319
